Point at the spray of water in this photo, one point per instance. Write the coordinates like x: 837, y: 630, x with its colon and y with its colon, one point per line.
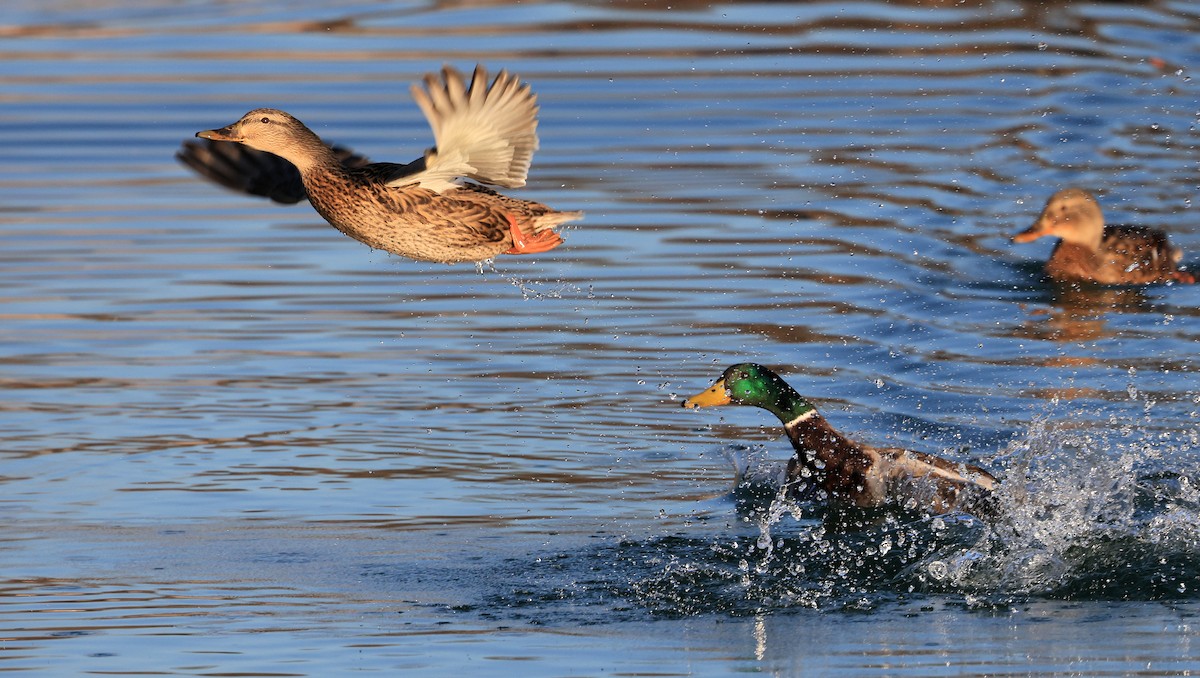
x: 1088, y: 508
x: 1085, y: 511
x: 532, y: 289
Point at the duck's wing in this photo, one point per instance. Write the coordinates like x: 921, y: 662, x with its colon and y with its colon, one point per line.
x: 939, y: 484
x: 1141, y: 242
x: 246, y: 170
x: 392, y: 174
x: 486, y: 133
x: 1137, y: 254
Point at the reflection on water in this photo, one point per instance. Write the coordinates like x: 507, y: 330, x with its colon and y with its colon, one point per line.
x: 235, y: 441
x: 1076, y: 313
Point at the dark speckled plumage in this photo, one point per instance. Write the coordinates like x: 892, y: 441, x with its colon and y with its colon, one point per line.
x: 422, y: 210
x: 1092, y: 252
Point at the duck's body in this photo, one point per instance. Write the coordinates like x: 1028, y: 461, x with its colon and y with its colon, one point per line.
x: 1089, y: 251
x: 849, y: 472
x: 422, y: 210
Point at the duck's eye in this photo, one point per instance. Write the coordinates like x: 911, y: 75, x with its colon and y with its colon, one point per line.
x: 266, y: 121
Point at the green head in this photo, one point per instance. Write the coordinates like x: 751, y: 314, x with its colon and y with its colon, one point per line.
x: 756, y: 386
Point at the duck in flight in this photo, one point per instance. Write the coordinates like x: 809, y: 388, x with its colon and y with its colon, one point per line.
x: 436, y: 208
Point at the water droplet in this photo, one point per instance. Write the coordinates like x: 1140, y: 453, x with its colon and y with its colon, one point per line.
x: 938, y: 570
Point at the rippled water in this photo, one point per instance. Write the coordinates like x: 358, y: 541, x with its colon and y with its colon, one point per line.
x: 233, y: 441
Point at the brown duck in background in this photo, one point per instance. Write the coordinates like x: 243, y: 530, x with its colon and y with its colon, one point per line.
x: 1090, y: 251
x: 850, y: 472
x: 422, y: 210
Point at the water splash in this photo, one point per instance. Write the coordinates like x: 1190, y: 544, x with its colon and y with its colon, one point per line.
x: 1106, y: 510
x: 1098, y: 511
x: 531, y: 289
x: 1085, y: 512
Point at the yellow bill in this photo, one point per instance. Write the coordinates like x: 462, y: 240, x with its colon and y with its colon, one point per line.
x: 717, y: 394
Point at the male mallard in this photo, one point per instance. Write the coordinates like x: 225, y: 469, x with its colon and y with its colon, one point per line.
x: 1090, y: 251
x: 420, y: 210
x: 848, y: 472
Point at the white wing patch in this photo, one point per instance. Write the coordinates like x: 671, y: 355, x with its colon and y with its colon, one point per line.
x: 486, y: 133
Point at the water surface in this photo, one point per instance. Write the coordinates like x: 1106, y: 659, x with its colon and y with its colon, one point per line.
x: 234, y: 441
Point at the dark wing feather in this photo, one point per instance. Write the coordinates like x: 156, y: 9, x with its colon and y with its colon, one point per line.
x: 389, y: 172
x: 1135, y: 240
x: 246, y: 170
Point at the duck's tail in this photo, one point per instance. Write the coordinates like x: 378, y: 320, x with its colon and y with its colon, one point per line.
x: 551, y: 220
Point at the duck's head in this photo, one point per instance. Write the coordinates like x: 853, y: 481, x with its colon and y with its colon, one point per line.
x: 270, y: 130
x: 753, y: 385
x: 1071, y: 214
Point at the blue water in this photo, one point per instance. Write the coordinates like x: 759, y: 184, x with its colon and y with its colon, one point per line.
x: 235, y: 441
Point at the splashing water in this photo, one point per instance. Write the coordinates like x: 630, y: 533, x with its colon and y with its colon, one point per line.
x: 1085, y: 513
x: 1106, y: 510
x: 530, y: 289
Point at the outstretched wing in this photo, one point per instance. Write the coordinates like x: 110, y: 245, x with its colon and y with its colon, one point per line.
x: 486, y: 133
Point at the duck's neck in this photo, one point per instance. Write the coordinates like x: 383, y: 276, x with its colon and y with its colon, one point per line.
x: 1089, y: 240
x: 1089, y: 230
x: 815, y: 440
x: 328, y: 183
x: 787, y: 404
x: 819, y: 448
x: 304, y: 149
x: 314, y: 156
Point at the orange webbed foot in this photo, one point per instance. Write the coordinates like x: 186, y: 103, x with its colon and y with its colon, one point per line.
x: 531, y: 244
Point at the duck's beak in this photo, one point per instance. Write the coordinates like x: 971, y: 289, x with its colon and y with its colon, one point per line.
x: 716, y: 394
x: 223, y: 134
x: 1030, y: 234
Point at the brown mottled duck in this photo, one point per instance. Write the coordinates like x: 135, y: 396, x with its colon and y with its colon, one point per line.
x: 1089, y: 251
x: 424, y: 210
x: 849, y: 472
